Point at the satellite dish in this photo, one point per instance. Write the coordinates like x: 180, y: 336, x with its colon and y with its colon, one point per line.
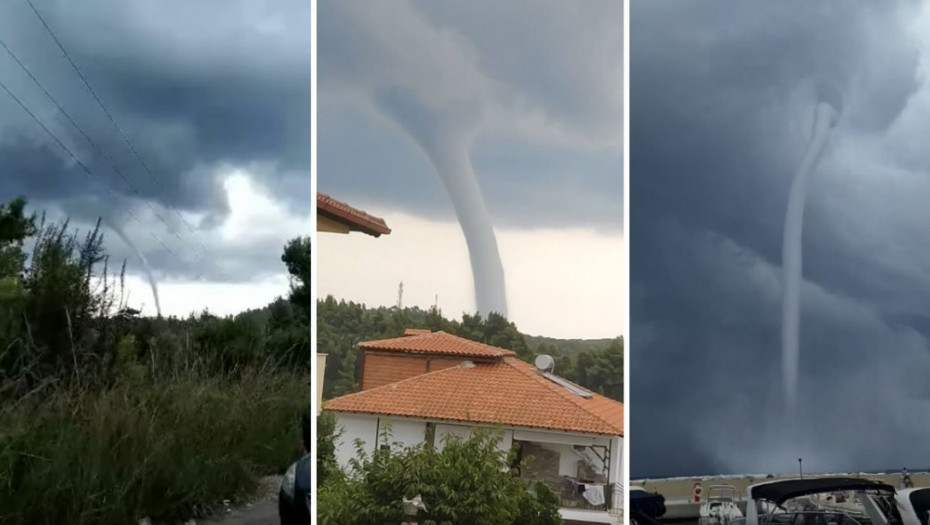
x: 544, y: 363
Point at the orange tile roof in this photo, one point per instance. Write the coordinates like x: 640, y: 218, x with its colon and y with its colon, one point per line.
x: 437, y: 343
x: 508, y: 392
x: 355, y: 219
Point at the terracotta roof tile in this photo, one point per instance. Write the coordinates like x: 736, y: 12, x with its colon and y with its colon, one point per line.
x: 356, y: 219
x: 437, y: 343
x: 507, y: 392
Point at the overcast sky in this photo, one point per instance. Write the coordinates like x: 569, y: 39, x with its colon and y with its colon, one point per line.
x: 215, y: 97
x: 722, y: 102
x: 538, y: 87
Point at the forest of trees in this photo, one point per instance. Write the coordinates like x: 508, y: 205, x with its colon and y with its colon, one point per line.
x: 107, y: 416
x: 341, y: 325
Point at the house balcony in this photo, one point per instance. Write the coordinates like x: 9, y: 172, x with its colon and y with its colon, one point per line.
x: 581, y: 472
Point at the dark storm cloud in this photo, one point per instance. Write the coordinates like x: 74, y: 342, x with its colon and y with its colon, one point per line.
x: 541, y: 104
x: 722, y: 99
x: 200, y: 88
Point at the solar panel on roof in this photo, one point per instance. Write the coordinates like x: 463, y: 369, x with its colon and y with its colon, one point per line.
x: 571, y: 387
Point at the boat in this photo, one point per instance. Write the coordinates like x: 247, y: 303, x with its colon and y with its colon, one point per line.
x: 646, y: 508
x: 798, y: 502
x: 911, y: 507
x: 914, y: 506
x: 721, y: 506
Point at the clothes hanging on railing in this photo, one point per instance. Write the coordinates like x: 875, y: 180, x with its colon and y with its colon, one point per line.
x: 572, y: 486
x: 594, y: 494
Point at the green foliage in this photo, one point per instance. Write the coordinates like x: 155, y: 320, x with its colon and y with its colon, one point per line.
x: 326, y: 436
x: 341, y: 325
x: 15, y: 227
x: 106, y: 416
x: 54, y: 327
x: 63, y: 320
x: 346, y: 383
x: 165, y: 449
x: 467, y: 481
x: 297, y: 258
x: 602, y: 369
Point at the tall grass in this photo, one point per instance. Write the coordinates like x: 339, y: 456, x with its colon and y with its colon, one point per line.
x: 168, y: 449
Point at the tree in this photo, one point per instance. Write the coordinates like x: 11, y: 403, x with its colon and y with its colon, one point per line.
x: 15, y: 228
x: 341, y: 325
x: 326, y: 436
x: 297, y: 258
x: 467, y: 481
x: 347, y: 383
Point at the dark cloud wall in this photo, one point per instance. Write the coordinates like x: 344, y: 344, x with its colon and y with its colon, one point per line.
x: 200, y: 88
x: 541, y: 105
x: 722, y: 99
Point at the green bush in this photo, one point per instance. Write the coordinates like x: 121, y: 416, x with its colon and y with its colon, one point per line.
x: 468, y: 481
x: 107, y: 416
x: 136, y: 449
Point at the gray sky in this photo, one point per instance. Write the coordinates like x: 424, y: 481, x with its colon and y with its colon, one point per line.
x: 536, y: 88
x: 215, y: 96
x: 722, y: 100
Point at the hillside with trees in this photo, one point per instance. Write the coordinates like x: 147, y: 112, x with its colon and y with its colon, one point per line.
x: 342, y: 325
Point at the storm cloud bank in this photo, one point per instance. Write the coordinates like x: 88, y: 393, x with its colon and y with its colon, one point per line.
x: 448, y: 77
x: 539, y: 108
x: 720, y: 116
x: 201, y: 90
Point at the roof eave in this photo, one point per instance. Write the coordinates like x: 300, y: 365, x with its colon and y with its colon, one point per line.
x: 613, y: 432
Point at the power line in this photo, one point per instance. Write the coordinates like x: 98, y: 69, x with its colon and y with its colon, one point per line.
x: 93, y: 144
x: 119, y: 130
x: 80, y: 163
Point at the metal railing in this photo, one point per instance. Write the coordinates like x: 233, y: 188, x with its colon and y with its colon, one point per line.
x: 572, y: 500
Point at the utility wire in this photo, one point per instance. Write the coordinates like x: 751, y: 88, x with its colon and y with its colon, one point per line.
x: 93, y: 144
x: 119, y: 130
x: 83, y: 166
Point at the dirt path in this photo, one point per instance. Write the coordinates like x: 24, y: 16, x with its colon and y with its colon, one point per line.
x: 262, y: 511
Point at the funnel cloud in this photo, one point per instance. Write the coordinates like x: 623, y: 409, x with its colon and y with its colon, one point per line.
x: 825, y: 118
x: 721, y: 141
x: 445, y: 143
x: 495, y: 155
x: 441, y: 110
x: 145, y: 265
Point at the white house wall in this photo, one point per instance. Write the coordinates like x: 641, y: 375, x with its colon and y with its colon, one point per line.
x: 352, y: 427
x: 368, y: 430
x: 464, y: 432
x: 406, y: 432
x: 411, y: 432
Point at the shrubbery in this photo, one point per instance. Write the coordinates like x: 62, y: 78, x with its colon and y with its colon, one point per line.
x: 106, y: 416
x: 169, y: 449
x: 467, y: 481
